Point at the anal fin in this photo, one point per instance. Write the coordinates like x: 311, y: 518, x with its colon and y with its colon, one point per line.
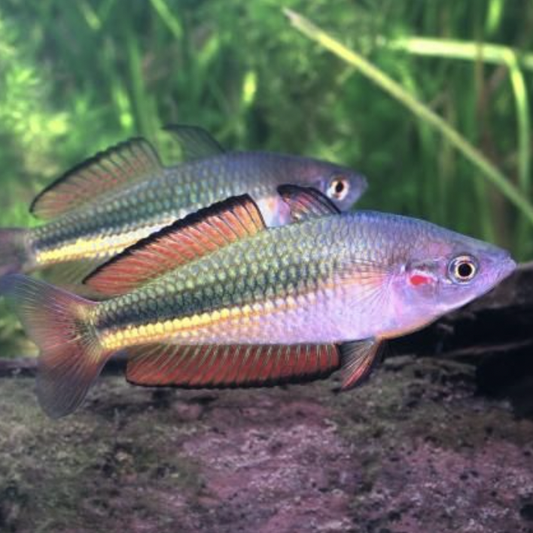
x: 229, y: 365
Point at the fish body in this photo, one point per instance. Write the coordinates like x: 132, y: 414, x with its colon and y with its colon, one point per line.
x: 325, y: 280
x: 124, y: 194
x: 251, y: 305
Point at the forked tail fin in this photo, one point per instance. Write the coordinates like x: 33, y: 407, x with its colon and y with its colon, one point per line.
x: 14, y: 252
x: 60, y: 324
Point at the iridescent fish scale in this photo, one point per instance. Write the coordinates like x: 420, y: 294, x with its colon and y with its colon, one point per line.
x: 120, y: 219
x: 124, y: 194
x: 251, y: 305
x: 251, y: 278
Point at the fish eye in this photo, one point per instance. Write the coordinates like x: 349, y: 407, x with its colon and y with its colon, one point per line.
x: 338, y: 187
x: 462, y: 269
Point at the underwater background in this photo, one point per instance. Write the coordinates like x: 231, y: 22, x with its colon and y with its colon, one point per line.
x: 78, y: 77
x: 432, y: 102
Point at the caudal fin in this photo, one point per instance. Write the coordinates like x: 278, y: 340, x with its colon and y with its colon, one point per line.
x: 60, y: 324
x: 14, y: 251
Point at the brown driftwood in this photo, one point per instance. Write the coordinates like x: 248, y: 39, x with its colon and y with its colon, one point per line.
x: 27, y: 366
x: 22, y: 366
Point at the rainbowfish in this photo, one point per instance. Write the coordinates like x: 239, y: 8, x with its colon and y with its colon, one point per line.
x: 124, y: 194
x: 220, y: 300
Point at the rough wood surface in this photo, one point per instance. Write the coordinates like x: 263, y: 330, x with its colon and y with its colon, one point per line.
x: 27, y: 366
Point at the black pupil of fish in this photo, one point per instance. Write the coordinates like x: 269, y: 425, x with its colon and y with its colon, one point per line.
x: 339, y: 187
x: 465, y: 270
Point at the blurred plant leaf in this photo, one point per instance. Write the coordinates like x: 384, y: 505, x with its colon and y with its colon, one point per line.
x: 420, y: 110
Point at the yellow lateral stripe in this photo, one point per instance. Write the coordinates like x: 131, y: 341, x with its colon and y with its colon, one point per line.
x: 82, y: 248
x: 158, y: 331
x: 95, y: 247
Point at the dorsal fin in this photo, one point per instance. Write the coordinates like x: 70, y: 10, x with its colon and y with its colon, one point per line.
x: 195, y: 142
x: 194, y: 236
x: 132, y: 160
x: 305, y: 203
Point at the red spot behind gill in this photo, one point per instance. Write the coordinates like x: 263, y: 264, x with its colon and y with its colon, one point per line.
x: 420, y: 279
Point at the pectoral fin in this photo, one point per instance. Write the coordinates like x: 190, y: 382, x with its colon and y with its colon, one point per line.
x: 305, y: 203
x: 358, y: 360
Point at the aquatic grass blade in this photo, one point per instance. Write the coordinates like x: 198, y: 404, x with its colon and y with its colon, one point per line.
x: 455, y: 49
x: 420, y: 110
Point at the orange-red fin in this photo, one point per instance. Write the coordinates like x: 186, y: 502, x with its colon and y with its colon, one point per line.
x: 358, y: 360
x: 195, y: 142
x: 305, y: 203
x: 130, y: 161
x: 194, y: 236
x: 59, y: 323
x: 229, y: 366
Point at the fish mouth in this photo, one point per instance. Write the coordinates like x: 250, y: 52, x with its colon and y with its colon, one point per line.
x: 507, y: 267
x: 363, y: 183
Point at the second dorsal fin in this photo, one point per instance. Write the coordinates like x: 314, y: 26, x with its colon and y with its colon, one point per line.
x: 195, y: 142
x: 194, y: 236
x: 132, y: 160
x: 305, y: 203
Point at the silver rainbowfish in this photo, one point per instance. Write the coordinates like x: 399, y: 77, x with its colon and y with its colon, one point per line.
x: 124, y: 194
x: 220, y: 300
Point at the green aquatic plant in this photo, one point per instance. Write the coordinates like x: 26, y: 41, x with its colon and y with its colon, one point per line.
x: 518, y: 196
x: 77, y: 77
